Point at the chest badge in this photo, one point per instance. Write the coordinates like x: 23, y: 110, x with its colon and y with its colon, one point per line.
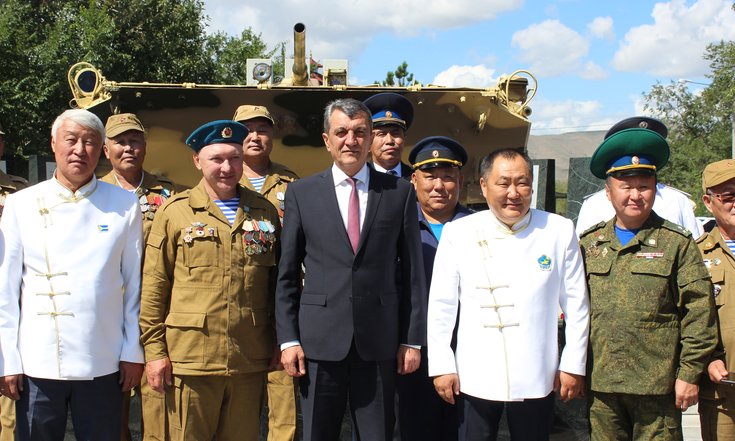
x: 544, y: 262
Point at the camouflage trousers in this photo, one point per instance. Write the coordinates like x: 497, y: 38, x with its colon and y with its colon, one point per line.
x: 620, y: 417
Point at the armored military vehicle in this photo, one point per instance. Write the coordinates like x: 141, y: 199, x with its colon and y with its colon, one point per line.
x: 482, y: 120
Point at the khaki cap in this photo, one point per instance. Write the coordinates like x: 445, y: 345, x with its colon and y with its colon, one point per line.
x: 248, y: 112
x: 718, y: 172
x: 117, y: 124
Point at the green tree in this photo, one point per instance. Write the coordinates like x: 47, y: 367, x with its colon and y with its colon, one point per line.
x: 400, y: 77
x: 128, y: 40
x: 699, y: 124
x: 230, y: 55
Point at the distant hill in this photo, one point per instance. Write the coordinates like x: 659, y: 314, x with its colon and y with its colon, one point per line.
x: 562, y: 147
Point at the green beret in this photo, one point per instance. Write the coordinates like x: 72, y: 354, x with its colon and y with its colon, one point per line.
x: 216, y: 132
x: 633, y: 151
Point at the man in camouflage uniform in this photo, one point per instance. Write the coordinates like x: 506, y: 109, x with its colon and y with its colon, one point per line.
x: 717, y: 400
x: 270, y: 179
x: 208, y: 296
x: 8, y: 184
x: 652, y: 315
x: 125, y: 147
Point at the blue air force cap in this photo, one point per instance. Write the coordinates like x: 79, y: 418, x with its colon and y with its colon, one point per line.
x: 390, y: 108
x: 639, y: 122
x: 215, y: 132
x: 630, y: 152
x: 437, y: 151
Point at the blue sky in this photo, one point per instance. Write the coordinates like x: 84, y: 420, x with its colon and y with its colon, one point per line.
x: 592, y: 59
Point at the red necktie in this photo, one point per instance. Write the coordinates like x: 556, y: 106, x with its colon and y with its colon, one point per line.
x: 353, y: 216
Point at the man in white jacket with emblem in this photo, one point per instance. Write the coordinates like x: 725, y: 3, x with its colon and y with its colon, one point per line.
x: 510, y: 268
x: 70, y: 293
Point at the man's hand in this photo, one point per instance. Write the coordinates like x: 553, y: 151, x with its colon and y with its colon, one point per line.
x: 686, y: 394
x: 159, y: 374
x: 570, y: 386
x: 275, y: 363
x: 447, y: 386
x: 293, y: 361
x: 408, y: 359
x: 11, y: 386
x: 717, y: 371
x: 130, y: 374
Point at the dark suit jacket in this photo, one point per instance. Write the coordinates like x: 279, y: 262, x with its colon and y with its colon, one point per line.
x: 350, y: 296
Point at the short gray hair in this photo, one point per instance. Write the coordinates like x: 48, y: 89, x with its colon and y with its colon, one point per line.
x: 350, y: 107
x: 84, y: 118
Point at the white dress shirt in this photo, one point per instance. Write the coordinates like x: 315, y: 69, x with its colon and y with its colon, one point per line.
x: 670, y: 203
x: 396, y: 170
x: 343, y: 189
x: 510, y: 284
x: 70, y: 281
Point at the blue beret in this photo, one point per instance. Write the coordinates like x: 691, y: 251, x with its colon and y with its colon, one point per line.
x: 629, y: 152
x: 437, y: 151
x: 390, y: 108
x: 639, y: 122
x: 220, y: 131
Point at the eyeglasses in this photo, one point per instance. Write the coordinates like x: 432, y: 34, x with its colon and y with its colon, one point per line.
x: 724, y: 198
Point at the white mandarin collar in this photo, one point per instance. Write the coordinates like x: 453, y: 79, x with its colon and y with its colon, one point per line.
x: 519, y: 226
x: 72, y: 196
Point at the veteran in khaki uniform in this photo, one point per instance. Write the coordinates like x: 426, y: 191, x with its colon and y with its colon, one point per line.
x: 125, y: 147
x: 9, y: 184
x: 652, y: 327
x: 717, y: 400
x: 207, y: 299
x: 270, y: 179
x: 260, y: 173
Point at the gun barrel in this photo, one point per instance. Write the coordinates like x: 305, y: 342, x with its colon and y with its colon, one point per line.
x: 299, y: 74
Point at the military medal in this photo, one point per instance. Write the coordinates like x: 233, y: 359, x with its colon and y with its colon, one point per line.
x: 716, y: 290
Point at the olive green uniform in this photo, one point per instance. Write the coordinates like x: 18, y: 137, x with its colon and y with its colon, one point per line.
x: 717, y: 401
x: 281, y: 387
x: 207, y: 303
x: 8, y: 184
x: 652, y: 322
x: 152, y: 193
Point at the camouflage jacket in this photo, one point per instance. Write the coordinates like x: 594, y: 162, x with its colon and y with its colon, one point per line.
x: 652, y: 314
x: 721, y: 265
x: 274, y: 187
x: 10, y: 184
x: 152, y: 193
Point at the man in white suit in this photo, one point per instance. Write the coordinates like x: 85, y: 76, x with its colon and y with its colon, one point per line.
x: 510, y: 268
x: 70, y: 293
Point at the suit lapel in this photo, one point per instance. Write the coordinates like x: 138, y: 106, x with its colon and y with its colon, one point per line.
x: 330, y: 199
x: 375, y: 192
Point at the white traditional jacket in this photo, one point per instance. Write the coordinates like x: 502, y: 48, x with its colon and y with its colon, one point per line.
x: 69, y: 281
x: 510, y: 285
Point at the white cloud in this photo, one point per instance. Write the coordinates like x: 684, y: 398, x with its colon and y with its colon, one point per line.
x: 341, y: 29
x: 554, y: 117
x: 466, y: 76
x: 602, y: 27
x: 551, y: 48
x: 592, y: 71
x: 674, y: 44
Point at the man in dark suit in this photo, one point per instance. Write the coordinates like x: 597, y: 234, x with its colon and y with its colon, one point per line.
x: 357, y: 319
x: 392, y: 115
